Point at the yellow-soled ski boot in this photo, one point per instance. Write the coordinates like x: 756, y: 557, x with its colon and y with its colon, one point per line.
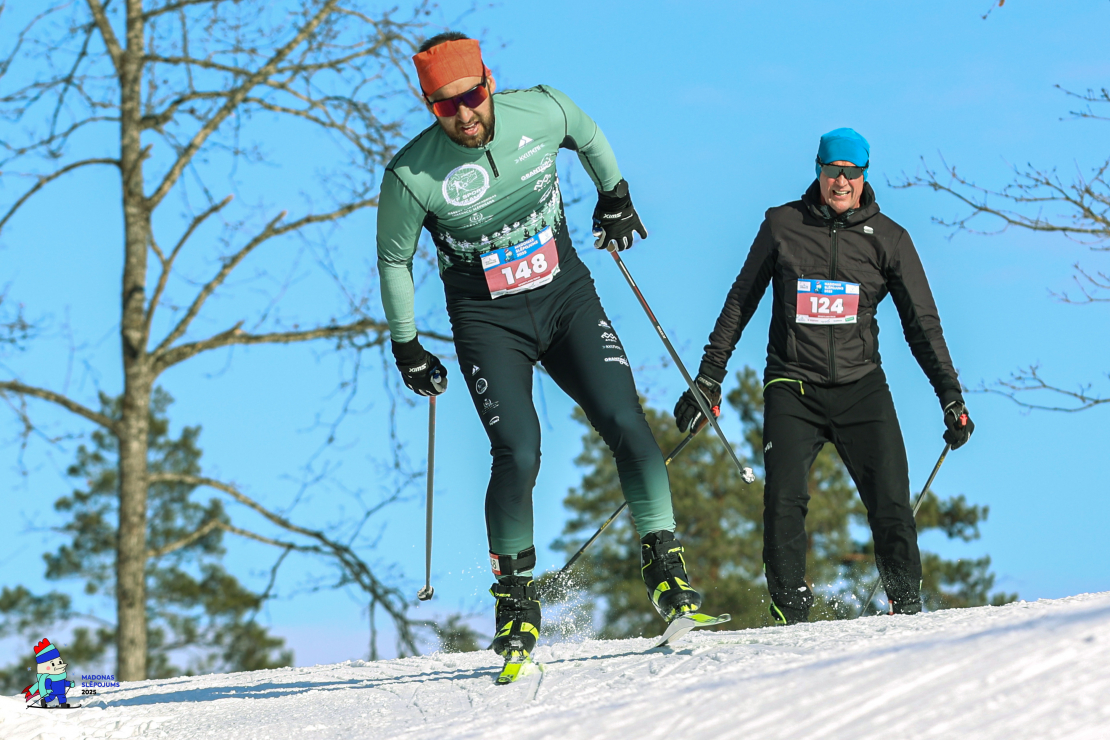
x: 517, y: 615
x: 665, y: 577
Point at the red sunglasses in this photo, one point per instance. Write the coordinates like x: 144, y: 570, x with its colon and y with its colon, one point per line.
x: 472, y: 98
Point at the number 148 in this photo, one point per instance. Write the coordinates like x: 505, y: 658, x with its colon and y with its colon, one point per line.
x: 539, y: 264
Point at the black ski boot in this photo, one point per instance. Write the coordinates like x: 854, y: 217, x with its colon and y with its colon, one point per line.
x: 785, y: 616
x: 664, y: 571
x: 902, y: 591
x: 518, y: 616
x: 517, y: 613
x: 906, y: 606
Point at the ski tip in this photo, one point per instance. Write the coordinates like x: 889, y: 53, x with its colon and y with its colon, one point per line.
x: 517, y: 665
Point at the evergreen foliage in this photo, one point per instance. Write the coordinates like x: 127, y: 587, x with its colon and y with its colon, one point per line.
x: 196, y: 611
x: 720, y: 524
x: 455, y: 635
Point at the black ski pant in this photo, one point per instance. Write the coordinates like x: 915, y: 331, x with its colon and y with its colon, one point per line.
x: 563, y: 326
x: 859, y: 419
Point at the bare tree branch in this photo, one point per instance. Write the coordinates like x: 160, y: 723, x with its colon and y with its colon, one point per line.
x: 1090, y: 96
x: 1089, y: 285
x: 43, y: 180
x: 269, y: 232
x: 186, y: 540
x: 14, y: 386
x: 167, y: 262
x: 1029, y: 380
x: 174, y: 7
x: 287, y: 546
x: 111, y: 42
x: 1081, y: 212
x: 353, y: 566
x: 1086, y: 198
x: 235, y: 97
x: 236, y: 336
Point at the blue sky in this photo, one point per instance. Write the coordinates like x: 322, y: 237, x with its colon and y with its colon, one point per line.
x: 714, y: 110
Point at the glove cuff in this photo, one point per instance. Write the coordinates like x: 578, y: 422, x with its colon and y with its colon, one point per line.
x: 947, y: 398
x: 710, y: 370
x: 615, y: 199
x: 408, y: 353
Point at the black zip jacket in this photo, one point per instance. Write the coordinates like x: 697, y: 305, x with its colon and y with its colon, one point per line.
x: 805, y: 240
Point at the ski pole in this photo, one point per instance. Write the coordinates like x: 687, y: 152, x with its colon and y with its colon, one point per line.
x: 426, y: 593
x: 674, y: 453
x: 745, y: 472
x: 916, y: 508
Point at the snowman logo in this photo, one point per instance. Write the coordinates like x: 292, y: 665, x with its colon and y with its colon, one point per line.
x: 52, y: 679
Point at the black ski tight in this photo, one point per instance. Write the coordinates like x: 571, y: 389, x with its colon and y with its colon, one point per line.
x: 859, y: 419
x: 563, y: 326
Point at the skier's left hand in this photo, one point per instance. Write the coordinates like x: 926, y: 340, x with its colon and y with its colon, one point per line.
x: 615, y: 219
x: 959, y: 424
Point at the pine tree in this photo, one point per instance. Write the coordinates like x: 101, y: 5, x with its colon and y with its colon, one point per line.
x: 720, y: 523
x: 196, y: 610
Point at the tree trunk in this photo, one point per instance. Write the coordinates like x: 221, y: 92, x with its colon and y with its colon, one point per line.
x: 135, y: 410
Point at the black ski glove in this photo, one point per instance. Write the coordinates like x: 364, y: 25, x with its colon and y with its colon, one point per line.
x: 687, y: 412
x: 615, y: 219
x: 422, y: 371
x: 959, y: 424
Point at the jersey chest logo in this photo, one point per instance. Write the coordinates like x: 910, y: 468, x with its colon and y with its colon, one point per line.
x: 465, y: 185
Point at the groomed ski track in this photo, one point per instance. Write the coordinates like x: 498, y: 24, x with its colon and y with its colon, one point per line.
x: 1026, y: 670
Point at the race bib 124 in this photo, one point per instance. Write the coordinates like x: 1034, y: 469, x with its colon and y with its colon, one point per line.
x: 827, y: 302
x: 530, y: 264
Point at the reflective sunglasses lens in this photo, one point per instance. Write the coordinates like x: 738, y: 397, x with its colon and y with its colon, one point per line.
x: 445, y: 108
x: 833, y: 171
x: 472, y: 98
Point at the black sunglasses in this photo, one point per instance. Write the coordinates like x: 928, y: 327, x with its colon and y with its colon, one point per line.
x: 834, y: 171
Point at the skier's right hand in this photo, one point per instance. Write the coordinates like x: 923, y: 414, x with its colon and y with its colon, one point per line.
x: 687, y: 412
x: 422, y: 371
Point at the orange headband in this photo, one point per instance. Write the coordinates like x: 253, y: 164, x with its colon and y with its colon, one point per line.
x: 444, y: 63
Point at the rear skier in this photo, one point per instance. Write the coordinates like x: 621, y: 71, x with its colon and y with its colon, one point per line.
x: 482, y: 181
x: 831, y: 258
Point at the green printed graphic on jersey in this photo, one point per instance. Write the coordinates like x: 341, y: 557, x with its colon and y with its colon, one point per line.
x: 474, y: 200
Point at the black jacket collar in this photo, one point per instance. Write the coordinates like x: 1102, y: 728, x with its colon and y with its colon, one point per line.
x: 867, y: 207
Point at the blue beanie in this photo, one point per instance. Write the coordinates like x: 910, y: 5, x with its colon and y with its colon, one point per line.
x: 843, y: 145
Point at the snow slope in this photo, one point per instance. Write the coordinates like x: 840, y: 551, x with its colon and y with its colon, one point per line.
x: 1027, y: 670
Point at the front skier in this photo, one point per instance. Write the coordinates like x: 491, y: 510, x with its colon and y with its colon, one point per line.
x: 831, y: 259
x: 482, y: 181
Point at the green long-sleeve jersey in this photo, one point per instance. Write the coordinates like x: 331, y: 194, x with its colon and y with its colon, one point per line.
x: 474, y: 201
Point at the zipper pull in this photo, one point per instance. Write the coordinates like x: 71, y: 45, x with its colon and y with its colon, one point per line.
x: 492, y: 164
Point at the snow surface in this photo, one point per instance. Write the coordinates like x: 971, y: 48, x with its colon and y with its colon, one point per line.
x: 1026, y: 670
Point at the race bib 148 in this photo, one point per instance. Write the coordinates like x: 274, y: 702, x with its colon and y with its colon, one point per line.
x: 827, y: 302
x: 530, y: 264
